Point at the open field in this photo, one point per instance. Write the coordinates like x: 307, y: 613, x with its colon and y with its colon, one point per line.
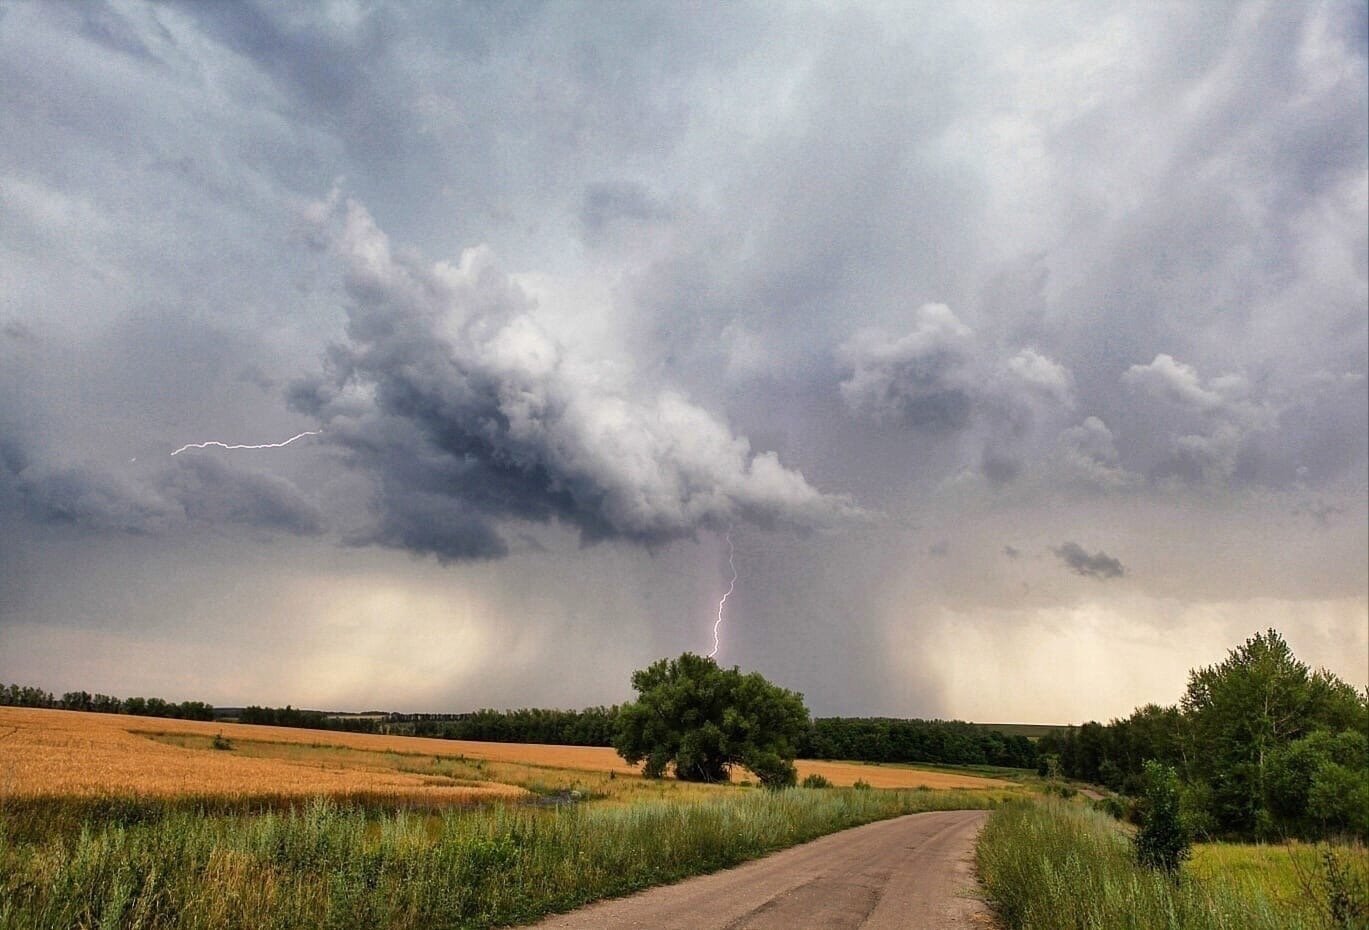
x: 361, y: 865
x: 48, y: 753
x: 67, y: 753
x: 1052, y: 865
x: 1287, y: 874
x: 120, y: 821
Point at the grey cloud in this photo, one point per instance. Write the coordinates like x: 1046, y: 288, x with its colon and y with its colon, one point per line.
x: 448, y: 390
x: 1178, y: 383
x: 213, y: 492
x: 1098, y: 565
x: 431, y: 523
x: 938, y: 374
x: 91, y: 499
x: 189, y: 490
x: 1088, y: 454
x: 924, y: 378
x: 1222, y: 407
x: 608, y: 205
x: 999, y: 468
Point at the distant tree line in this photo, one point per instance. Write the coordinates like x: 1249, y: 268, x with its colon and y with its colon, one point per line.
x: 288, y: 716
x: 593, y: 726
x: 883, y: 739
x: 1263, y: 746
x: 26, y: 696
x: 867, y: 739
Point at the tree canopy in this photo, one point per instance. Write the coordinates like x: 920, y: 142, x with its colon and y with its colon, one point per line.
x: 701, y: 719
x: 1264, y: 745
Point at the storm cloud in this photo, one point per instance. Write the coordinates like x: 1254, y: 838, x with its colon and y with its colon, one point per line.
x: 466, y: 411
x: 570, y: 295
x: 1098, y: 565
x: 191, y: 491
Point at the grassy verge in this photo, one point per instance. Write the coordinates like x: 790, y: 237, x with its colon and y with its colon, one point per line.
x: 341, y: 867
x: 1050, y: 865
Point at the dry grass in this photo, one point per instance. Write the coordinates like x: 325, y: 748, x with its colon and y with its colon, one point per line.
x: 51, y: 753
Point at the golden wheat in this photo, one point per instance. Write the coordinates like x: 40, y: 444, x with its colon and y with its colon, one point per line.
x: 66, y: 753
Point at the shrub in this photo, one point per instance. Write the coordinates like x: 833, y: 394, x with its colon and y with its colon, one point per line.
x: 1163, y: 841
x: 861, y: 785
x: 1114, y: 807
x: 816, y: 781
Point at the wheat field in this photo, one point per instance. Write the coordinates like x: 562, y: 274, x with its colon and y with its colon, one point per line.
x: 58, y: 753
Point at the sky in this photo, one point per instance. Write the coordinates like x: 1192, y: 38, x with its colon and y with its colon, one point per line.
x: 1021, y: 349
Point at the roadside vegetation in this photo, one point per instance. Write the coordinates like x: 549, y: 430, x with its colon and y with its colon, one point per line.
x: 1056, y: 865
x: 1260, y: 748
x: 1265, y: 748
x: 338, y: 866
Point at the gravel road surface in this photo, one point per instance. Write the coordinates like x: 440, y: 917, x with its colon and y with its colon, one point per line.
x: 910, y: 873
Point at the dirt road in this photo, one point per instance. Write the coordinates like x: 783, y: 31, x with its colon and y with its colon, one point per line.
x: 911, y: 873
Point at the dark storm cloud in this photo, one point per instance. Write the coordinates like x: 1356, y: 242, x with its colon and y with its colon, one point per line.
x: 466, y: 411
x: 734, y: 219
x: 189, y: 490
x: 213, y: 492
x: 1098, y: 565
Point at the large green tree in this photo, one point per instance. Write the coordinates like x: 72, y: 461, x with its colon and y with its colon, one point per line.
x: 1244, y: 711
x: 701, y: 719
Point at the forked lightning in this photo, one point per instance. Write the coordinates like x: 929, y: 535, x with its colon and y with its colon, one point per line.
x: 732, y: 586
x: 262, y: 445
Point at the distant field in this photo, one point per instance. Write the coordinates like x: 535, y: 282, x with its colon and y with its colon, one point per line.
x: 52, y: 753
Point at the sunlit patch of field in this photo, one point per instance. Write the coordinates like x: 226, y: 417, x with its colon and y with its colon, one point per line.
x: 1286, y: 873
x: 52, y: 753
x: 844, y: 774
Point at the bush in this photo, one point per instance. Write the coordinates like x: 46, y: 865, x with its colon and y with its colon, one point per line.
x: 816, y: 781
x: 1114, y: 807
x: 861, y: 785
x: 1163, y: 841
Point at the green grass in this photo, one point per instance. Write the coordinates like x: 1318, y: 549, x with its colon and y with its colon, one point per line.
x: 984, y: 771
x: 1051, y: 865
x: 351, y: 867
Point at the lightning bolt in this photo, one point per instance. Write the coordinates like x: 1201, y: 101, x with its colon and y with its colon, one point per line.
x: 262, y: 445
x: 731, y: 586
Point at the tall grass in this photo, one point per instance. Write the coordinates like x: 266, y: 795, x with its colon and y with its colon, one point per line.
x: 330, y: 866
x: 1051, y: 865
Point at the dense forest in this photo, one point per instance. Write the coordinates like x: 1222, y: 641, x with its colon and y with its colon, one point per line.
x: 1264, y: 746
x: 27, y: 696
x: 882, y: 739
x: 593, y: 726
